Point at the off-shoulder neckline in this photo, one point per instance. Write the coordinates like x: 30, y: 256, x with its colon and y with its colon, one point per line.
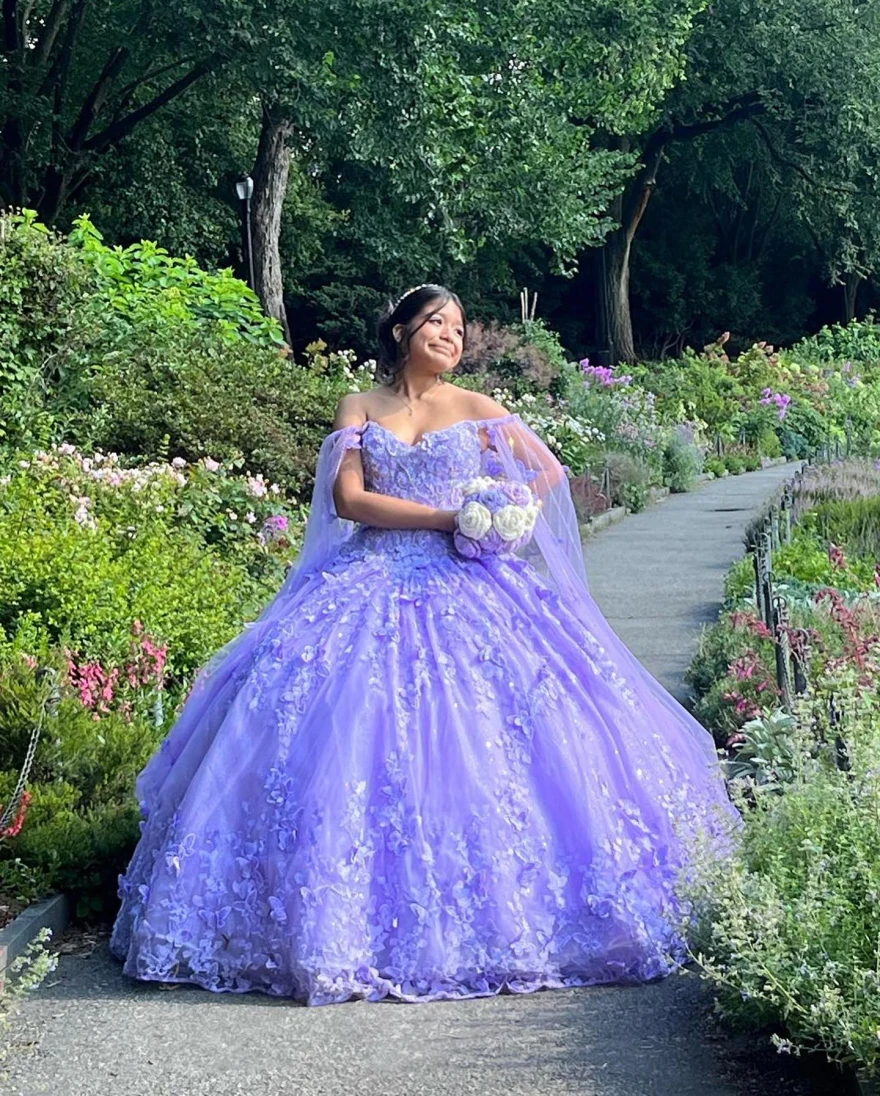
x: 359, y: 428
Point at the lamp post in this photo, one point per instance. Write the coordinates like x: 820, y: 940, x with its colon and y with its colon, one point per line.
x: 244, y: 188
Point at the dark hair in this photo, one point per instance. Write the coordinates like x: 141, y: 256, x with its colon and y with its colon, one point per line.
x: 392, y: 354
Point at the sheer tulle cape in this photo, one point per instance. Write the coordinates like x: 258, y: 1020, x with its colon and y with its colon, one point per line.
x: 514, y: 451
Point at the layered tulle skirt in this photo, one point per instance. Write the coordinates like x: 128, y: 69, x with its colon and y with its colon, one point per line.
x: 427, y: 778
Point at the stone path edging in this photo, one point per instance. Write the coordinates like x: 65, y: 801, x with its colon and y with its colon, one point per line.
x: 55, y: 913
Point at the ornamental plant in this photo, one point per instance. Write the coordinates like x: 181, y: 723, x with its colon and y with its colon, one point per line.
x: 89, y: 546
x: 785, y: 928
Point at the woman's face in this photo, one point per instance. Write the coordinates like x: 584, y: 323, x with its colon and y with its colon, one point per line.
x: 437, y: 344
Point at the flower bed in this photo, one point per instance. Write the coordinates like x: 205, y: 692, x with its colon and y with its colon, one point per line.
x: 787, y: 929
x: 128, y: 579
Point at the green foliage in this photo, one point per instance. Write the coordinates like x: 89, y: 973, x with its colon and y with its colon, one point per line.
x: 766, y: 752
x: 149, y: 355
x: 682, y: 463
x: 143, y: 282
x: 786, y: 926
x: 630, y: 481
x: 858, y: 341
x: 42, y: 283
x: 87, y: 547
x: 807, y: 560
x: 163, y: 390
x: 26, y: 973
x: 853, y: 523
x: 739, y: 581
x: 77, y: 845
x: 716, y: 466
x: 122, y: 582
x: 803, y: 432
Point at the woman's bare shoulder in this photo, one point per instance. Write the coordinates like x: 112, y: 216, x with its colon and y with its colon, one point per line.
x: 481, y: 406
x: 350, y: 411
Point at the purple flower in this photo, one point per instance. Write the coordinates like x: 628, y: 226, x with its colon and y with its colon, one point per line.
x: 466, y: 547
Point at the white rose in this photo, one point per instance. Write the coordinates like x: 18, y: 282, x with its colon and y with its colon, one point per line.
x: 478, y: 484
x: 532, y: 517
x: 510, y: 522
x: 474, y: 520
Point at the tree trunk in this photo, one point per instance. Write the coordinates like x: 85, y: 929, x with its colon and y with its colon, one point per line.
x: 615, y: 334
x: 851, y: 284
x: 271, y: 173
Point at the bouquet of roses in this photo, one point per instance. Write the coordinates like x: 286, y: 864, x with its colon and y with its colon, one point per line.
x: 496, y: 517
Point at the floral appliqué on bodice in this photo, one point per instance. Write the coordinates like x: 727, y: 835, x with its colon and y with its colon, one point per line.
x: 431, y: 471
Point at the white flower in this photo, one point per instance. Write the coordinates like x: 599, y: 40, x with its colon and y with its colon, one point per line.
x: 532, y: 516
x: 24, y: 464
x: 178, y: 462
x: 256, y: 487
x: 510, y: 522
x: 232, y: 515
x: 474, y: 520
x: 210, y: 464
x: 478, y: 484
x: 250, y: 517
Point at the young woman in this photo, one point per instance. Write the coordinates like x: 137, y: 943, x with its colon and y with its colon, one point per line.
x: 420, y: 776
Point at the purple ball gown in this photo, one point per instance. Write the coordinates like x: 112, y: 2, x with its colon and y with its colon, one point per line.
x: 419, y: 776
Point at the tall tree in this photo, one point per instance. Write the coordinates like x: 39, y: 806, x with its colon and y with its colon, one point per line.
x: 777, y: 67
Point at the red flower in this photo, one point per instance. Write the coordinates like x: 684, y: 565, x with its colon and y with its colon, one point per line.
x: 15, y: 829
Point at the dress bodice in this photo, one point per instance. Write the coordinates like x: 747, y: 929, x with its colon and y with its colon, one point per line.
x: 430, y: 471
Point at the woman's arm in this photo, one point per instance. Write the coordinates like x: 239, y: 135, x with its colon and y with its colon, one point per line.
x: 524, y: 444
x: 354, y: 502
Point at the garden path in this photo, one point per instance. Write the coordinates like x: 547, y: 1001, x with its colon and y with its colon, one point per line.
x: 658, y: 576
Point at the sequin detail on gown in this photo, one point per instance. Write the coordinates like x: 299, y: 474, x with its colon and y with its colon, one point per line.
x: 429, y: 780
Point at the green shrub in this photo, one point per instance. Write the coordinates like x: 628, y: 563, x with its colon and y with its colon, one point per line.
x: 807, y: 560
x: 786, y: 928
x: 630, y: 481
x: 42, y: 284
x: 716, y: 466
x: 857, y: 341
x: 161, y: 391
x: 682, y: 463
x: 137, y: 352
x: 734, y: 464
x: 88, y: 546
x: 768, y: 444
x: 739, y: 582
x: 72, y: 845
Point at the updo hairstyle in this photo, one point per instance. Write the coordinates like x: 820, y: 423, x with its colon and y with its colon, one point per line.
x: 392, y: 354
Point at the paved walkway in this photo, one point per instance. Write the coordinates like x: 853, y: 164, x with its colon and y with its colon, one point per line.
x: 658, y: 576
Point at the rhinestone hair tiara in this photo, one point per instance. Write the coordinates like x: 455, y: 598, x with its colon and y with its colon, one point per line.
x: 403, y: 296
